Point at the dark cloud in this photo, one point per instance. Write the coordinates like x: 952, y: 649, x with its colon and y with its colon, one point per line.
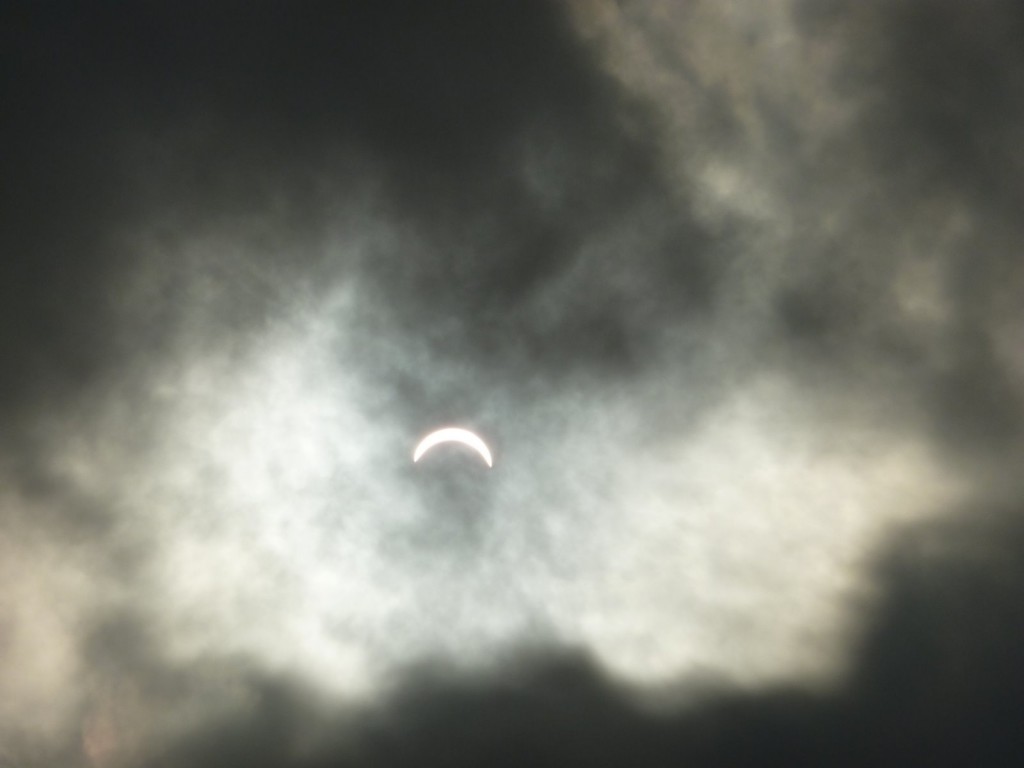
x: 955, y: 103
x: 939, y: 92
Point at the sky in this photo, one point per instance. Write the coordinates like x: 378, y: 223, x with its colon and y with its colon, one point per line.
x: 732, y: 290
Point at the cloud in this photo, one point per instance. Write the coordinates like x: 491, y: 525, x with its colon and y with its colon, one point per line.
x: 732, y: 292
x: 936, y: 679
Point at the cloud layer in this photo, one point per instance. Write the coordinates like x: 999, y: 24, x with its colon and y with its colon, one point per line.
x: 731, y: 288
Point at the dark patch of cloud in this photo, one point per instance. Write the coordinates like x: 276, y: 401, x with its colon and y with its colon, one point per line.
x: 940, y: 673
x: 56, y: 204
x: 956, y: 103
x: 941, y: 92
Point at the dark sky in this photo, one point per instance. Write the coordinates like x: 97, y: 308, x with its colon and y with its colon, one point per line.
x: 733, y: 290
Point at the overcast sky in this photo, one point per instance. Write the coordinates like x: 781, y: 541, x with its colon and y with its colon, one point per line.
x: 733, y: 290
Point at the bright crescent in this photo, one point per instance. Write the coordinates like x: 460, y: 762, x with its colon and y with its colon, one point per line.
x: 452, y: 435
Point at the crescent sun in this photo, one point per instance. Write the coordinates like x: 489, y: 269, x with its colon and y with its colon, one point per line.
x: 453, y: 435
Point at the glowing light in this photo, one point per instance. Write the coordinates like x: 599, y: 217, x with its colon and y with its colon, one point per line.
x: 453, y: 435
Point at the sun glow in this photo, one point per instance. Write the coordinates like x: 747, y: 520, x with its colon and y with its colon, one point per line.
x: 453, y: 435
